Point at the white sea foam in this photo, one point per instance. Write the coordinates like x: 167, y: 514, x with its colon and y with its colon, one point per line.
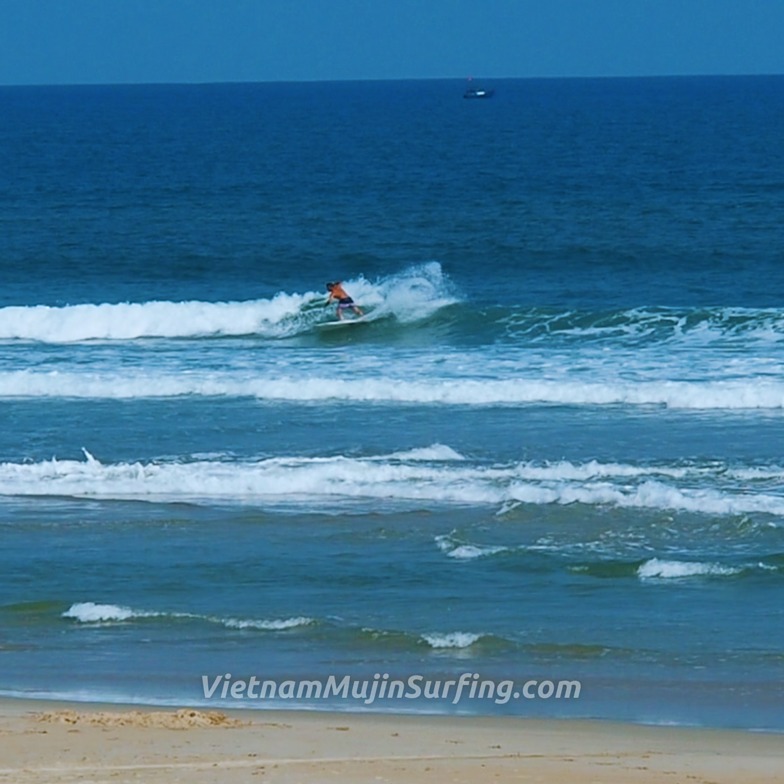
x: 698, y: 395
x: 451, y: 640
x: 275, y: 625
x: 91, y: 612
x: 433, y: 453
x: 275, y: 478
x: 294, y: 480
x: 594, y: 469
x: 411, y: 295
x: 466, y: 551
x: 132, y: 320
x: 692, y: 327
x: 659, y: 569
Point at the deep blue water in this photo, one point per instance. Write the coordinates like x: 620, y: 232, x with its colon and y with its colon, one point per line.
x: 552, y: 452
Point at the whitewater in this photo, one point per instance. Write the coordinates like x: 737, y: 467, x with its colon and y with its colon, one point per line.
x: 552, y: 450
x: 465, y: 354
x: 438, y: 474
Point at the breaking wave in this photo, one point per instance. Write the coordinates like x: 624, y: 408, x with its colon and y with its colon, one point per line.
x: 93, y: 613
x: 97, y: 614
x: 410, y: 296
x: 741, y: 394
x: 437, y: 474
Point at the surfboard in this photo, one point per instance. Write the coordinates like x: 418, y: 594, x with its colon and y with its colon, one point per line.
x: 342, y: 323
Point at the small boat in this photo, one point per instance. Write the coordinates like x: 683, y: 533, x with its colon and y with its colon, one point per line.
x: 477, y: 92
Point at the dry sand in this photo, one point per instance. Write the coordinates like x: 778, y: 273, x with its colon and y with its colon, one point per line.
x: 46, y: 742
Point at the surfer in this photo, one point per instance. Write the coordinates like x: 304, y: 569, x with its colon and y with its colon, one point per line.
x: 338, y: 294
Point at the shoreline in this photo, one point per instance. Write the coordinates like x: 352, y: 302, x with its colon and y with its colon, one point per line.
x: 250, y: 707
x: 45, y: 741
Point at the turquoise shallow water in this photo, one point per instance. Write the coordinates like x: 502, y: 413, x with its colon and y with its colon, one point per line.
x: 552, y: 453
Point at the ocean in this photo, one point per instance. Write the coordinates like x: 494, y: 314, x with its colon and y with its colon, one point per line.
x: 552, y: 454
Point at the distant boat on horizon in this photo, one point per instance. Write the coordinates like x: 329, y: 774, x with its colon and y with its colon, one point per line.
x: 477, y: 92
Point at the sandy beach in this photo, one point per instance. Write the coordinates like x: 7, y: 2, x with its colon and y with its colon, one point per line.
x: 59, y: 742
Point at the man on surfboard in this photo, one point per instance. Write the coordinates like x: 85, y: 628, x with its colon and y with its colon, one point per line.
x: 338, y: 294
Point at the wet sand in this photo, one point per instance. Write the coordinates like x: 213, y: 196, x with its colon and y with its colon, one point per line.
x: 78, y: 742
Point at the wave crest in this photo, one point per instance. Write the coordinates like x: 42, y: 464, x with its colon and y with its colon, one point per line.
x: 94, y: 613
x: 409, y: 296
x: 397, y: 479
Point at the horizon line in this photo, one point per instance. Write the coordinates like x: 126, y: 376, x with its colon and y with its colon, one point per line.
x: 219, y: 82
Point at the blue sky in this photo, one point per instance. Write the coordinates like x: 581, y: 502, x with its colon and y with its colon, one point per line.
x: 122, y: 41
